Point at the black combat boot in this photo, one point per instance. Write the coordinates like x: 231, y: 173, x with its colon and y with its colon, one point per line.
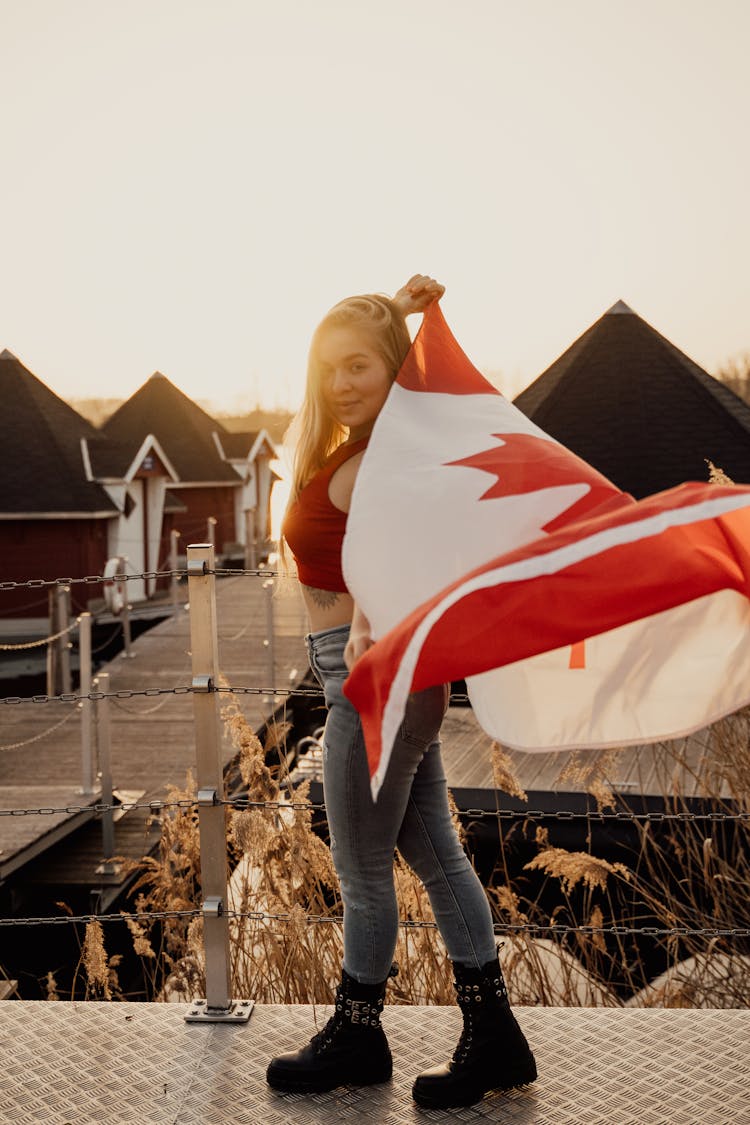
x: 351, y: 1050
x: 492, y: 1053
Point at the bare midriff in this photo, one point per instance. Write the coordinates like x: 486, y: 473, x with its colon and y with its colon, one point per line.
x: 327, y: 608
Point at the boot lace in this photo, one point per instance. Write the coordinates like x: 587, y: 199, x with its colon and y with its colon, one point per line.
x: 349, y: 1014
x: 474, y: 1000
x: 467, y: 996
x: 325, y: 1037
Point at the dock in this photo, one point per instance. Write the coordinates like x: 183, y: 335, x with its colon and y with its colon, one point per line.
x: 261, y: 645
x: 141, y: 1064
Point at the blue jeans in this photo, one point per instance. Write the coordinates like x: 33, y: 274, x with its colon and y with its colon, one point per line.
x: 411, y: 814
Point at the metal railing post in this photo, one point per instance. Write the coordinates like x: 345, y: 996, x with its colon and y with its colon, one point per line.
x: 63, y: 642
x: 270, y: 641
x: 251, y: 553
x: 87, y: 745
x: 108, y: 867
x: 174, y: 536
x: 121, y: 569
x: 51, y: 649
x: 218, y: 1005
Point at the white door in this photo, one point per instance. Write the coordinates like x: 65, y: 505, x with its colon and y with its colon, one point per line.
x: 131, y: 539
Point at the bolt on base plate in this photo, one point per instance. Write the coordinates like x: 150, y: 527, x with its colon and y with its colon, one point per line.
x: 239, y: 1011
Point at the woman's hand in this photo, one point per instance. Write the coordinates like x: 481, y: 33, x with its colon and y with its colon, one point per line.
x: 419, y: 292
x: 360, y: 638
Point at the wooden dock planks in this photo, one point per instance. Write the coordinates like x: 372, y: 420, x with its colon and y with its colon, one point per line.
x: 661, y: 770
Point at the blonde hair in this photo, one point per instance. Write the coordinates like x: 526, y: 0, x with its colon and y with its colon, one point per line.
x: 314, y: 431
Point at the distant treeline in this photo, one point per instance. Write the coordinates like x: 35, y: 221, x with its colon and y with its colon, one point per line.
x: 274, y: 422
x: 736, y: 374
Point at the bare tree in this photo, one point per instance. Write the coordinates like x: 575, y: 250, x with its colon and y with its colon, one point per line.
x: 735, y: 372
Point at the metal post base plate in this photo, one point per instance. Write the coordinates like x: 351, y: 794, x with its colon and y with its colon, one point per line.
x: 239, y: 1011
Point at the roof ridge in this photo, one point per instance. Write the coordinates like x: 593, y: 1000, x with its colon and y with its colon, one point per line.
x: 620, y: 307
x: 181, y: 397
x: 629, y: 401
x: 183, y: 428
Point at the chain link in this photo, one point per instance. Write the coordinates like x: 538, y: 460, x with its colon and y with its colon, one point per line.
x: 125, y: 806
x: 456, y: 697
x: 241, y: 804
x: 594, y: 814
x: 499, y: 928
x: 42, y: 641
x: 519, y: 927
x: 306, y: 693
x: 95, y: 696
x: 84, y: 919
x: 519, y: 814
x: 127, y: 693
x: 92, y: 579
x: 95, y: 579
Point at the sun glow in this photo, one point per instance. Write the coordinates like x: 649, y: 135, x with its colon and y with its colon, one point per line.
x: 279, y: 496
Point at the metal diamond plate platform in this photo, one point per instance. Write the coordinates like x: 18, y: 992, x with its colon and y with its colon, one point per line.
x: 109, y: 1064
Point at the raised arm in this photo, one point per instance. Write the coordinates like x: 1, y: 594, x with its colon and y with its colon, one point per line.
x: 418, y: 292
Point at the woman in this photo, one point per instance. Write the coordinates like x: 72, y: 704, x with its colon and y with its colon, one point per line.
x: 355, y: 355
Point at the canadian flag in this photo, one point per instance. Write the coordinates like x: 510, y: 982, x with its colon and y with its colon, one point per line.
x: 480, y: 548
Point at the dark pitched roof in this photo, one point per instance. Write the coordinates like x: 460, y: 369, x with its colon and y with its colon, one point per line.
x: 182, y: 428
x: 41, y: 464
x: 236, y: 445
x: 109, y: 459
x: 638, y: 409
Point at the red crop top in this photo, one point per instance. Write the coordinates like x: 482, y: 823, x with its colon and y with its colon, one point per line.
x: 314, y: 528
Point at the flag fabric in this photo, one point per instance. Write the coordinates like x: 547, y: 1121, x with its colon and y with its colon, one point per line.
x: 481, y: 549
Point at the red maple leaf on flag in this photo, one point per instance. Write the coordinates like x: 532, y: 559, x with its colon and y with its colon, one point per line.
x: 525, y: 463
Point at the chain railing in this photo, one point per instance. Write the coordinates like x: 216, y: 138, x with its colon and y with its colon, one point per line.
x: 22, y: 645
x: 535, y: 929
x: 97, y: 579
x: 96, y: 696
x: 241, y: 804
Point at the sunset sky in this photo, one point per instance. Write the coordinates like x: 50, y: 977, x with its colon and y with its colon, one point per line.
x: 189, y: 184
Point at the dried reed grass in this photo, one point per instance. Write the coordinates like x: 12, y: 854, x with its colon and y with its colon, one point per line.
x: 279, y: 866
x: 684, y: 874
